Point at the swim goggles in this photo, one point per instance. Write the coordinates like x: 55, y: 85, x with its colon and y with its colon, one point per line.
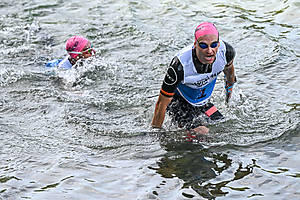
x: 89, y: 50
x: 203, y: 45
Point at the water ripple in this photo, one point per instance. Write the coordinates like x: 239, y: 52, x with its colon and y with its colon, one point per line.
x: 83, y: 133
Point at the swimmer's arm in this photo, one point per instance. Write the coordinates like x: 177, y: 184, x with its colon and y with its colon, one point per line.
x: 173, y: 77
x: 230, y: 79
x: 229, y: 73
x: 160, y: 110
x: 229, y: 68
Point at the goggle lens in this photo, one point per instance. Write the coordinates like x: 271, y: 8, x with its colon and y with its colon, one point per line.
x: 204, y: 46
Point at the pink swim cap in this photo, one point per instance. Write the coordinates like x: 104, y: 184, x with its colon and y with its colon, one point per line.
x: 76, y: 44
x: 206, y: 28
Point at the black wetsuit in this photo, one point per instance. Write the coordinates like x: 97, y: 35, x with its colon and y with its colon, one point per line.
x: 185, y: 114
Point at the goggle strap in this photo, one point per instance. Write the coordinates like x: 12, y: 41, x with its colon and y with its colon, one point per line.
x: 74, y: 52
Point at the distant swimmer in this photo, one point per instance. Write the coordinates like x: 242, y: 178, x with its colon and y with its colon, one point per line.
x: 190, y: 80
x: 78, y: 48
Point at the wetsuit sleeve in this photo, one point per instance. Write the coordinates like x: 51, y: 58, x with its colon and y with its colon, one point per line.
x: 173, y: 76
x: 230, y: 53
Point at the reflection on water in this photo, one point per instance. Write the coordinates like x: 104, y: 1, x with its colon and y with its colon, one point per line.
x: 219, y: 172
x: 196, y: 166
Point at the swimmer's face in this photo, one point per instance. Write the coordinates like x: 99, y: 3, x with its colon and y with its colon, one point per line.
x: 87, y: 51
x: 206, y: 48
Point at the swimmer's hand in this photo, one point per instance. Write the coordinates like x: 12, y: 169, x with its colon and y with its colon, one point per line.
x: 201, y: 130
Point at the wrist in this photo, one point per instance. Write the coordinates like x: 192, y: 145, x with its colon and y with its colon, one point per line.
x: 232, y: 81
x: 155, y: 126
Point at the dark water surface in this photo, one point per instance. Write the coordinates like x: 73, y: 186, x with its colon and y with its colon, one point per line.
x: 85, y: 133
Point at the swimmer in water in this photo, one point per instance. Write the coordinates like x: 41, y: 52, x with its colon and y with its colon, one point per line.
x: 190, y: 81
x: 78, y: 48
